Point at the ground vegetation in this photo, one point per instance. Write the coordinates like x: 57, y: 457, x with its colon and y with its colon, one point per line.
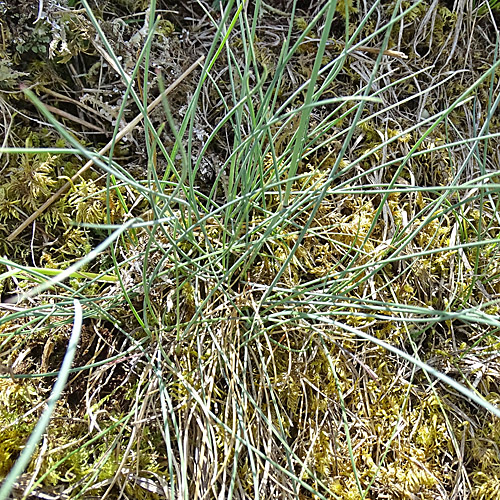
x: 265, y: 238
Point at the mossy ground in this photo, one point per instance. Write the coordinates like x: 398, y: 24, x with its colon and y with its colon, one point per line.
x: 197, y: 385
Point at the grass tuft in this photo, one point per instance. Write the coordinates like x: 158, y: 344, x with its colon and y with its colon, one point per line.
x: 281, y: 269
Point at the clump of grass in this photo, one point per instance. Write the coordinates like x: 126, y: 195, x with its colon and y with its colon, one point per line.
x: 295, y: 289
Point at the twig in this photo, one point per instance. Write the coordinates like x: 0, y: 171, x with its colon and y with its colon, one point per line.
x: 66, y: 98
x: 274, y: 10
x: 119, y: 136
x: 363, y: 48
x: 375, y: 50
x: 76, y: 119
x: 388, y: 52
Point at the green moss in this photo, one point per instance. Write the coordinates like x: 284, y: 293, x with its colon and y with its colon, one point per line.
x: 12, y: 442
x: 16, y: 399
x: 165, y: 28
